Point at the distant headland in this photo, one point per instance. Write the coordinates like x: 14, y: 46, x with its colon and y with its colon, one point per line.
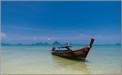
x: 46, y: 43
x: 39, y: 43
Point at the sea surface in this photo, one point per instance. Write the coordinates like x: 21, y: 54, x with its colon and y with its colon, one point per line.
x: 105, y: 59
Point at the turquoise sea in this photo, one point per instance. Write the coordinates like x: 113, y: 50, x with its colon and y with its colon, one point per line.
x: 105, y: 59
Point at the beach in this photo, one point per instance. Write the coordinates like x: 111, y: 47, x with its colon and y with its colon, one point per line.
x: 105, y: 59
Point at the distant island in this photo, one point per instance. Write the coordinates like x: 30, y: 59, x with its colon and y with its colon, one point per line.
x: 54, y: 43
x: 39, y: 43
x: 118, y: 43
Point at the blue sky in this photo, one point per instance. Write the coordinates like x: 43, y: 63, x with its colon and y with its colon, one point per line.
x: 75, y: 22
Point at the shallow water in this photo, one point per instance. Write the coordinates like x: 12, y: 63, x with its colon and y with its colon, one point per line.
x: 105, y: 59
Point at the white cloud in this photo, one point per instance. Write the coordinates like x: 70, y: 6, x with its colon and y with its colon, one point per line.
x: 48, y: 39
x: 34, y: 38
x: 3, y: 35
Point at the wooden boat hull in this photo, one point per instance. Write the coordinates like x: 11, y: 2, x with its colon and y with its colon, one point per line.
x: 80, y: 53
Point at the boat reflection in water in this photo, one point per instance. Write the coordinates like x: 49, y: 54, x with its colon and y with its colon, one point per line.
x: 71, y: 65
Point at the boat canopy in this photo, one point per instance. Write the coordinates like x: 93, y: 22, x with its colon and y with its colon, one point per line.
x: 65, y: 47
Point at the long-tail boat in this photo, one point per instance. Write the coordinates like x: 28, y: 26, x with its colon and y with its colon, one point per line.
x: 69, y: 53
